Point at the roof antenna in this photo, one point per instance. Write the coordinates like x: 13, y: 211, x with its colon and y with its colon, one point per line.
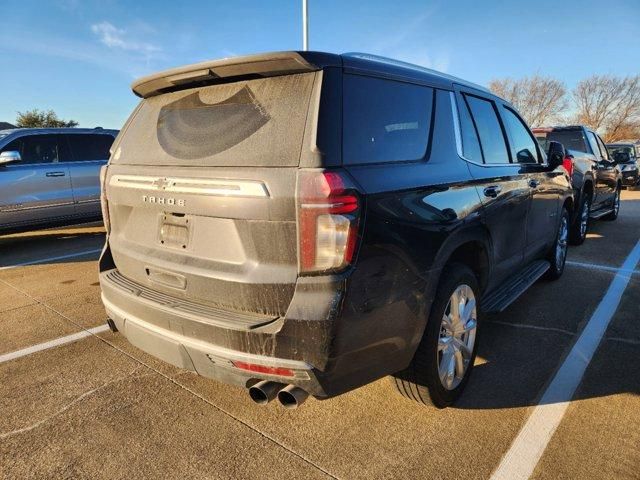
x: 305, y: 25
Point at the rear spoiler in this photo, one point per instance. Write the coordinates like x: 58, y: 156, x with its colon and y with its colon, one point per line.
x: 219, y: 71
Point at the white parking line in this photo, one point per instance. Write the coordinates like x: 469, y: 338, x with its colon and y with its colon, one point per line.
x: 595, y: 266
x: 527, y: 448
x: 52, y: 259
x: 53, y: 343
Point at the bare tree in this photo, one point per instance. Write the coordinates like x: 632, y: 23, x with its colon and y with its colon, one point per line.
x: 610, y: 105
x: 540, y: 100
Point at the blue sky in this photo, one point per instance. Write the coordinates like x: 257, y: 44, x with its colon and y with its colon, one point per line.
x: 80, y: 57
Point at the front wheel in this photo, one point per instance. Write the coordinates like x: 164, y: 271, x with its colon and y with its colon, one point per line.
x: 444, y: 359
x: 616, y: 207
x: 558, y: 254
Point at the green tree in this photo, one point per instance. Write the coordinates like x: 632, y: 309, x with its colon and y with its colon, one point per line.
x: 42, y: 119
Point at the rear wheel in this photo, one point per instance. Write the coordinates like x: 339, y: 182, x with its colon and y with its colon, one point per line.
x: 443, y: 362
x: 558, y: 254
x: 578, y: 230
x: 616, y: 207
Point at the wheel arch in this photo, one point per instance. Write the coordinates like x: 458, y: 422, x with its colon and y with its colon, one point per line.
x: 471, y: 247
x: 587, y: 188
x: 569, y: 205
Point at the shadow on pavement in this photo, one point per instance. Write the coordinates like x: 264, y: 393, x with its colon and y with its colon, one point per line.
x: 16, y: 249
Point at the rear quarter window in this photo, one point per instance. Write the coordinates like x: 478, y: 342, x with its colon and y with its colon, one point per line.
x: 384, y: 120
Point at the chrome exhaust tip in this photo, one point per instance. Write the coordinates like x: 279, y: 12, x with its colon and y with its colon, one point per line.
x: 265, y: 391
x: 292, y: 396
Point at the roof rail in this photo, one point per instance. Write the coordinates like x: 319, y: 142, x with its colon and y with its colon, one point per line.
x: 413, y: 66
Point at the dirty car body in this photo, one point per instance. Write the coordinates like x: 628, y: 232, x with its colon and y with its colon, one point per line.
x: 266, y: 222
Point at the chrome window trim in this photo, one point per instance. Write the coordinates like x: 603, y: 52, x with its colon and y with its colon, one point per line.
x: 458, y: 135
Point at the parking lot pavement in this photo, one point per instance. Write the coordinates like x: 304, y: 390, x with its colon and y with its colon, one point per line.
x: 99, y: 407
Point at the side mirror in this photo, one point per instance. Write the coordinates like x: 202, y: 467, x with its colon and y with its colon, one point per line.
x: 9, y: 157
x: 556, y: 154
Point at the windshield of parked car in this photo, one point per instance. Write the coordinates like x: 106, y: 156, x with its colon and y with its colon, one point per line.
x: 620, y: 152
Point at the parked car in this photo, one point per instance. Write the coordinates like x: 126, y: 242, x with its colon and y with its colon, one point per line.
x: 595, y: 177
x: 627, y: 156
x: 305, y: 223
x: 50, y: 177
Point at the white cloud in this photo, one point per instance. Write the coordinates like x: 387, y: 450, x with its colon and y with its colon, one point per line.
x: 117, y: 38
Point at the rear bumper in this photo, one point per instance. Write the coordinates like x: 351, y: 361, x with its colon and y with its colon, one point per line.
x: 196, y: 342
x: 204, y: 358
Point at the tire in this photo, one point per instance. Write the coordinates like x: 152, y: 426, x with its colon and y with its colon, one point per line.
x: 616, y: 207
x: 580, y: 226
x: 421, y: 380
x: 557, y: 255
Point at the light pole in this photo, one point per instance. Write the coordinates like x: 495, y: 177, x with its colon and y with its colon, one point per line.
x: 305, y: 25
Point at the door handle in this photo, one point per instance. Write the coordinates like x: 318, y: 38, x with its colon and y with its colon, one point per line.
x: 492, y: 191
x: 534, y: 183
x: 55, y: 174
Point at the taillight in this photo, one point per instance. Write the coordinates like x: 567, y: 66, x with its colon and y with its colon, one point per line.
x: 328, y: 212
x: 104, y: 205
x: 567, y: 164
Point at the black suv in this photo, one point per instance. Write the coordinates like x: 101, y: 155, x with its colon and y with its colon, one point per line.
x: 595, y: 177
x: 305, y: 223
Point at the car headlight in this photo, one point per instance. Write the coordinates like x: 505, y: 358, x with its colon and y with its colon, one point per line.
x: 626, y: 168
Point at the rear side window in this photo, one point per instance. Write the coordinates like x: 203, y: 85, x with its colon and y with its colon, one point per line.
x: 594, y: 144
x: 384, y: 120
x: 523, y: 145
x: 494, y: 148
x: 603, y: 148
x: 87, y: 147
x: 251, y: 123
x: 470, y: 143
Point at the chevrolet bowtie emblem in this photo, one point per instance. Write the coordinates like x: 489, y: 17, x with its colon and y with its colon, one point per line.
x: 161, y: 183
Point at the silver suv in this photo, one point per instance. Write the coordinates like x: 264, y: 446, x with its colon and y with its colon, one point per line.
x: 50, y: 176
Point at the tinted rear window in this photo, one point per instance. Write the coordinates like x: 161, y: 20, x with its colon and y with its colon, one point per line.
x: 384, y: 120
x: 87, y: 147
x: 250, y: 123
x: 571, y: 139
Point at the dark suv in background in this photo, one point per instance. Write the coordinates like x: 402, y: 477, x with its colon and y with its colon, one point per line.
x: 595, y: 177
x: 50, y: 176
x: 627, y: 156
x: 305, y: 223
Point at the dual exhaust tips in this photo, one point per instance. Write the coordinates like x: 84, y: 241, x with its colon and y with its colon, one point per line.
x: 289, y: 396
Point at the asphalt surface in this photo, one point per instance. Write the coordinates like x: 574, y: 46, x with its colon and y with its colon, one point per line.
x: 99, y: 408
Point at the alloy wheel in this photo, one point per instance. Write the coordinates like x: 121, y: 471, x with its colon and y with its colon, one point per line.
x: 457, y: 337
x: 561, y: 243
x: 616, y: 203
x: 584, y: 218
